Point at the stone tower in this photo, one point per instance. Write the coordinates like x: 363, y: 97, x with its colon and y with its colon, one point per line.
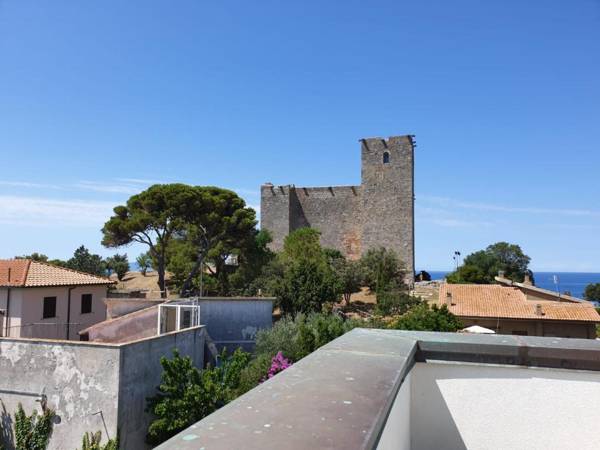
x: 387, y: 181
x: 353, y: 219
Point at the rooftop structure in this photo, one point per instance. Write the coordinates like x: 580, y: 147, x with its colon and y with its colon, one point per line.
x: 28, y: 273
x: 41, y: 300
x: 509, y: 310
x: 390, y: 389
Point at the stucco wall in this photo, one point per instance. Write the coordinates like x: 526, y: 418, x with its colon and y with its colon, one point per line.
x: 117, y: 307
x: 233, y: 323
x: 136, y: 325
x: 27, y: 305
x: 460, y: 406
x: 542, y: 327
x: 141, y: 373
x: 79, y: 381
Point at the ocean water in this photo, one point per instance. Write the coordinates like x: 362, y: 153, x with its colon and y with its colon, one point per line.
x: 573, y: 282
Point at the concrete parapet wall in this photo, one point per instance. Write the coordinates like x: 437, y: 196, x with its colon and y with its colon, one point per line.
x: 90, y: 386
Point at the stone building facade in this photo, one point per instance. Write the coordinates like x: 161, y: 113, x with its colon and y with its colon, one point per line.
x: 353, y: 219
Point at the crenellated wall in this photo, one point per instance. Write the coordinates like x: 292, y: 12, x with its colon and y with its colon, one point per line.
x: 353, y: 219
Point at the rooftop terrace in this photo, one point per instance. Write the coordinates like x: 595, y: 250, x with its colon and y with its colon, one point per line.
x: 416, y: 390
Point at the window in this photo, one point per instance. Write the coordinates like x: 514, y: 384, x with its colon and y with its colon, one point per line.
x: 86, y: 303
x: 49, y: 307
x: 386, y: 157
x: 520, y: 333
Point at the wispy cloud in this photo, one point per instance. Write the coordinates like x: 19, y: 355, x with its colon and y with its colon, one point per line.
x: 109, y: 187
x: 27, y: 184
x: 43, y: 212
x: 478, y: 206
x: 140, y: 181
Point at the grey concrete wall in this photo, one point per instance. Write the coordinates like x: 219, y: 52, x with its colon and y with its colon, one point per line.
x: 141, y: 373
x: 86, y: 383
x: 117, y: 307
x: 233, y: 323
x: 133, y: 326
x: 79, y: 381
x: 353, y: 219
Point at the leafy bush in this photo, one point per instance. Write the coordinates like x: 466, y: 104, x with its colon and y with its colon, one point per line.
x: 33, y: 432
x: 253, y: 374
x: 425, y: 318
x: 296, y: 338
x: 394, y: 302
x: 118, y: 264
x: 187, y: 394
x: 592, y: 292
x: 382, y: 270
x: 92, y: 441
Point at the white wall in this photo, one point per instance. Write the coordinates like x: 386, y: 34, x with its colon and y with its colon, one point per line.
x: 460, y: 406
x: 397, y: 436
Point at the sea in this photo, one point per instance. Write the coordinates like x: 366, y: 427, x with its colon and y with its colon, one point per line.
x: 572, y: 282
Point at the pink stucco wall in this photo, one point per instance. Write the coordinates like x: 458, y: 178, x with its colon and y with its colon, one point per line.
x: 26, y: 308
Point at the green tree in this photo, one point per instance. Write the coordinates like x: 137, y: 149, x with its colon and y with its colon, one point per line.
x: 428, y: 318
x: 349, y: 275
x: 383, y: 270
x: 219, y: 225
x: 483, y: 266
x: 33, y: 432
x: 187, y: 394
x: 307, y: 280
x: 118, y: 264
x: 35, y: 256
x: 592, y: 292
x: 144, y: 261
x: 151, y: 217
x: 391, y: 302
x: 252, y: 262
x: 87, y: 262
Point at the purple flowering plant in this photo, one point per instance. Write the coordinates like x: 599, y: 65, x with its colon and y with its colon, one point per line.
x: 278, y: 364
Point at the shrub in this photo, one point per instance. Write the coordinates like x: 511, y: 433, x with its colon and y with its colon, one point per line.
x: 92, y: 441
x: 33, y: 432
x: 426, y: 318
x: 394, y: 302
x: 253, y: 374
x: 382, y: 270
x: 296, y: 338
x: 187, y: 394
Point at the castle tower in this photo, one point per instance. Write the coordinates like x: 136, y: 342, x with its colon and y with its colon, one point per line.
x: 388, y: 196
x: 353, y: 219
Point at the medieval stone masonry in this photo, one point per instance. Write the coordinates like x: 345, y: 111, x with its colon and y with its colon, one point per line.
x: 353, y: 219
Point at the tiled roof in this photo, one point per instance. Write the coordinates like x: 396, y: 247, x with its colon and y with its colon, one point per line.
x: 13, y: 272
x: 492, y: 300
x: 27, y: 273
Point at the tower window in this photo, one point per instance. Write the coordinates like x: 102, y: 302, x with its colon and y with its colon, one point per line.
x: 386, y: 157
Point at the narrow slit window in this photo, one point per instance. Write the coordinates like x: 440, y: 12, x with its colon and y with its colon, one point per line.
x: 86, y: 303
x: 49, y: 307
x: 386, y: 157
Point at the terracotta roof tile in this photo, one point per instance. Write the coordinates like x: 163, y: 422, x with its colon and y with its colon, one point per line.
x: 27, y: 273
x: 472, y: 300
x: 13, y: 272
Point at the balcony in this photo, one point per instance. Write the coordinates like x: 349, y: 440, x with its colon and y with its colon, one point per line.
x: 389, y: 389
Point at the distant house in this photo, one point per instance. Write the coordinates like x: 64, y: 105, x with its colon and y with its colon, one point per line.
x: 40, y: 300
x: 520, y: 309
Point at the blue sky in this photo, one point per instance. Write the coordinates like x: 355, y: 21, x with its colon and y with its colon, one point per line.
x: 99, y: 100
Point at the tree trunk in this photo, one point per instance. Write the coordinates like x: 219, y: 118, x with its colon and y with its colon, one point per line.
x: 188, y: 281
x: 161, y: 277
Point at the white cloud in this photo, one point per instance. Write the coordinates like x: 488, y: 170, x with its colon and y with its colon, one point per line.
x: 44, y: 212
x: 27, y: 184
x: 452, y: 203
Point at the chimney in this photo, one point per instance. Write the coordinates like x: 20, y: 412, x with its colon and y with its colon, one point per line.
x: 527, y: 279
x: 501, y: 273
x: 538, y: 310
x: 448, y: 298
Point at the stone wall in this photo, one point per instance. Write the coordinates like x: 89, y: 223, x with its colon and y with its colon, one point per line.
x: 353, y: 219
x: 335, y: 212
